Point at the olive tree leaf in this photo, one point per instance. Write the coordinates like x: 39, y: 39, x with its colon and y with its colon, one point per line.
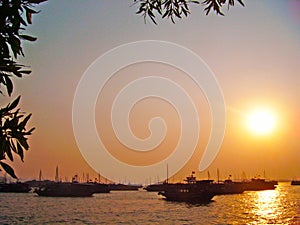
x: 8, y: 169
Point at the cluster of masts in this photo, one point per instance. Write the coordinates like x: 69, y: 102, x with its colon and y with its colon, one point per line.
x: 84, y: 179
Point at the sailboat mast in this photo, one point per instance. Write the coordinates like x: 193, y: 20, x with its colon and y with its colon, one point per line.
x: 167, y: 173
x: 40, y: 176
x: 56, y: 175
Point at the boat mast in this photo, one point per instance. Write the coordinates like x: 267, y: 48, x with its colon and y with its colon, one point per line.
x: 56, y: 175
x: 167, y: 173
x: 40, y: 176
x: 218, y: 175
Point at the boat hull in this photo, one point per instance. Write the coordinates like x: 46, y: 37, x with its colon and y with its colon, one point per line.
x: 295, y: 182
x: 227, y: 188
x: 187, y: 193
x: 66, y: 190
x: 15, y: 187
x: 259, y: 185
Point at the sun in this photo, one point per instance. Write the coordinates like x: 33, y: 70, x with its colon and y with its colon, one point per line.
x: 262, y: 121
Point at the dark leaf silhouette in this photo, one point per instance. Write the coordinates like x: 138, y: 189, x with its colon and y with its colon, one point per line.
x: 8, y: 169
x: 15, y: 15
x: 173, y: 9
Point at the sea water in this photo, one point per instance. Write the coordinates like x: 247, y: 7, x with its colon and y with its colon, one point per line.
x: 279, y: 206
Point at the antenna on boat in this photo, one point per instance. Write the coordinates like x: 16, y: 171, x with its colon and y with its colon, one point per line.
x: 218, y: 175
x: 244, y: 177
x: 167, y: 173
x: 56, y: 175
x: 40, y: 176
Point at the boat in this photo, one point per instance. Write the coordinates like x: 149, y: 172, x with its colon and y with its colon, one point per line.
x: 156, y: 187
x: 295, y: 182
x: 100, y: 187
x: 123, y: 187
x: 17, y: 187
x: 228, y: 187
x: 67, y: 189
x: 259, y: 184
x: 192, y: 191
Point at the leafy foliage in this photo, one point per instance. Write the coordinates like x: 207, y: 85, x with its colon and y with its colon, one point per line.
x: 172, y: 9
x: 15, y: 15
x: 13, y: 135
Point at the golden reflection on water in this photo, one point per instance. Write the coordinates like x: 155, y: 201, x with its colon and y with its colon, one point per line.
x: 270, y: 207
x: 267, y: 205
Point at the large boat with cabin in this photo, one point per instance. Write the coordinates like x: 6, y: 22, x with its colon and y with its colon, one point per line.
x: 192, y: 190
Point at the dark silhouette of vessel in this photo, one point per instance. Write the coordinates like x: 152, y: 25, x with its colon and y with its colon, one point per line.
x: 156, y: 187
x: 227, y: 187
x: 17, y: 187
x: 259, y: 184
x: 124, y: 187
x: 295, y: 182
x: 204, y: 190
x: 193, y: 191
x: 71, y: 189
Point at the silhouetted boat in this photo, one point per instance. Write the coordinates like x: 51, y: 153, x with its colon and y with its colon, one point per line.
x: 295, y: 182
x: 220, y: 188
x: 258, y: 184
x: 194, y: 191
x: 101, y: 188
x: 69, y: 189
x: 156, y: 187
x: 227, y: 187
x: 123, y: 187
x: 17, y: 187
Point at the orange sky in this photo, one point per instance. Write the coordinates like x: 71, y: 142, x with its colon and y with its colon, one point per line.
x: 254, y: 53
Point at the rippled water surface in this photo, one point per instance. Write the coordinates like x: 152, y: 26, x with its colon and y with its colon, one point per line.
x: 280, y: 206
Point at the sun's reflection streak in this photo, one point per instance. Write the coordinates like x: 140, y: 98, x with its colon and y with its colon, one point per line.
x: 266, y: 203
x: 267, y: 207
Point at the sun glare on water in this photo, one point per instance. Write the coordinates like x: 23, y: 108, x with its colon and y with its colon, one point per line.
x: 261, y: 121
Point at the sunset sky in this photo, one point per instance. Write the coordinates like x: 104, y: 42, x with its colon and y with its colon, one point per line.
x: 253, y: 51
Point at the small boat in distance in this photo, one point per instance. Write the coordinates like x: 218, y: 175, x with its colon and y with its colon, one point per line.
x: 124, y: 187
x: 295, y: 182
x: 259, y: 184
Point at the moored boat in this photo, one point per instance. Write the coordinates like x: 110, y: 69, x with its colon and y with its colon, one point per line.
x: 66, y: 189
x: 124, y: 187
x: 258, y: 184
x: 17, y: 187
x: 227, y: 187
x: 100, y: 188
x: 295, y: 182
x: 193, y: 191
x: 156, y: 187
